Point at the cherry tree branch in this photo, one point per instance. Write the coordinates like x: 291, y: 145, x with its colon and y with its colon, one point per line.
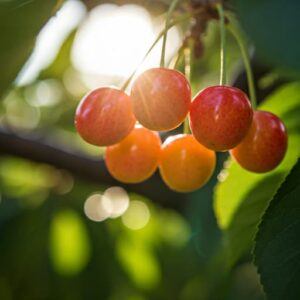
x: 53, y: 152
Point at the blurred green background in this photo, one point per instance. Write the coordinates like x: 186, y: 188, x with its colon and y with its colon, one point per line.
x: 153, y: 243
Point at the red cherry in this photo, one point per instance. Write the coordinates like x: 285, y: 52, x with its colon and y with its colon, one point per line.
x: 104, y: 116
x: 185, y: 165
x: 136, y: 157
x: 265, y: 144
x: 161, y: 98
x: 220, y: 117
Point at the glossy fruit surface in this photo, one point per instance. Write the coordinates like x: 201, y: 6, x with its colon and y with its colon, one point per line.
x: 185, y: 165
x: 161, y: 98
x: 104, y: 116
x: 136, y: 157
x: 264, y: 146
x: 220, y: 117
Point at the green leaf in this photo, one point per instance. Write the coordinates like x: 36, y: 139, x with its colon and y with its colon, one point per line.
x: 241, y: 197
x: 272, y: 26
x: 62, y: 60
x: 277, y: 248
x: 20, y: 23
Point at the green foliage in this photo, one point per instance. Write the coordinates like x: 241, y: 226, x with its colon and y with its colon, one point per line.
x: 277, y: 248
x: 138, y: 259
x: 272, y: 25
x: 20, y: 22
x: 241, y: 197
x: 69, y: 243
x: 50, y: 250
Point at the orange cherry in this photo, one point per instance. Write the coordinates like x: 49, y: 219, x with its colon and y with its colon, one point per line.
x: 185, y: 165
x: 161, y: 98
x: 104, y: 116
x: 136, y: 157
x: 264, y: 146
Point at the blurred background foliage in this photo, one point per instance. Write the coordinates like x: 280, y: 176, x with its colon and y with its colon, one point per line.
x: 191, y: 247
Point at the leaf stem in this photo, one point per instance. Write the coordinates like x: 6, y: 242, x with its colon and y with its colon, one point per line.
x: 223, y: 44
x: 168, y: 19
x: 234, y: 28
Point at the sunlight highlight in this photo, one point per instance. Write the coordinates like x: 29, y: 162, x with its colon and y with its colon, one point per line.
x: 113, y: 40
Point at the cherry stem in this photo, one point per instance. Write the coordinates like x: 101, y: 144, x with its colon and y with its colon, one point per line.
x: 168, y: 19
x: 238, y: 34
x: 223, y: 44
x: 187, y: 71
x: 176, y: 59
x: 176, y: 21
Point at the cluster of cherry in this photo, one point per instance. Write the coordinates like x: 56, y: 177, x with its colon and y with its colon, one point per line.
x: 220, y: 118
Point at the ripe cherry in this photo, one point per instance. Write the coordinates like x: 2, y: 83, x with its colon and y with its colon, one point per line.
x: 161, y: 98
x: 185, y: 165
x: 136, y: 157
x: 220, y: 117
x: 265, y: 144
x: 104, y: 116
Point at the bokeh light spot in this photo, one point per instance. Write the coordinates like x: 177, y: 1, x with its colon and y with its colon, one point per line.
x: 20, y: 114
x: 137, y: 215
x: 116, y: 201
x: 69, y: 244
x: 44, y: 93
x: 94, y: 209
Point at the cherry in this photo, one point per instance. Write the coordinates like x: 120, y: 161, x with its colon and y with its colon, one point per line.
x: 265, y: 144
x: 136, y: 157
x: 104, y: 116
x: 185, y: 165
x: 220, y: 117
x: 161, y: 98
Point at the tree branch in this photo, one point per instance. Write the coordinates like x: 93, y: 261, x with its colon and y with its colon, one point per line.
x: 50, y: 151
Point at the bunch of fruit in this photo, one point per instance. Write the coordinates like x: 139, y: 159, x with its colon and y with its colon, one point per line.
x: 220, y: 117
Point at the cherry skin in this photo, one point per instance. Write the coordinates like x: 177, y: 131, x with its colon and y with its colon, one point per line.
x: 104, y: 116
x: 185, y: 165
x: 161, y: 98
x: 136, y: 157
x: 264, y: 146
x: 220, y: 117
